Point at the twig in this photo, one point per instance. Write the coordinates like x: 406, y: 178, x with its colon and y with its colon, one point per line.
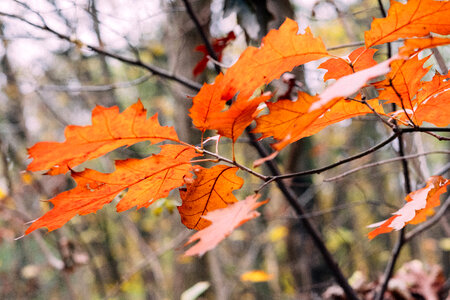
x: 200, y: 30
x: 307, y: 223
x: 320, y: 170
x: 378, y: 163
x: 153, y: 69
x: 432, y: 221
x: 354, y: 44
x: 95, y: 88
x: 242, y: 167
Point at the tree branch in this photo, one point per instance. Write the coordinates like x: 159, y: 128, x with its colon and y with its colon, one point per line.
x: 153, y: 69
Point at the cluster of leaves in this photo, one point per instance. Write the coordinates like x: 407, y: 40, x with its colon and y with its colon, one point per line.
x: 208, y: 203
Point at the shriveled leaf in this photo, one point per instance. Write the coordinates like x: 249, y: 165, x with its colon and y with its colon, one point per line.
x: 256, y: 276
x: 350, y: 84
x: 232, y: 122
x: 146, y: 179
x: 223, y: 222
x: 416, y: 18
x: 358, y: 60
x: 420, y: 204
x: 109, y: 130
x: 290, y: 121
x: 212, y: 189
x: 218, y: 46
x: 403, y: 81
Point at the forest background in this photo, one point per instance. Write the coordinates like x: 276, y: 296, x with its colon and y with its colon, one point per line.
x: 48, y: 82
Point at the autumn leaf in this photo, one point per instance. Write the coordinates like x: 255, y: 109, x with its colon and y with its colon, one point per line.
x: 212, y: 189
x: 232, y: 122
x: 431, y: 103
x: 223, y: 222
x: 256, y: 276
x: 350, y: 84
x: 415, y: 18
x: 413, y: 46
x: 109, y: 130
x: 289, y: 121
x: 420, y: 204
x: 281, y: 50
x: 403, y: 81
x: 146, y: 179
x: 218, y: 46
x: 206, y: 103
x: 358, y: 60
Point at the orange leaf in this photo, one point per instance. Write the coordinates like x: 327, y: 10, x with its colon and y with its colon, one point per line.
x: 146, y: 179
x: 212, y: 189
x: 224, y: 221
x: 420, y: 204
x: 109, y: 130
x: 350, y: 84
x: 232, y: 122
x: 405, y: 78
x: 281, y: 50
x: 416, y: 18
x: 358, y: 60
x: 290, y: 121
x: 207, y: 102
x: 218, y: 46
x: 416, y: 45
x: 432, y: 103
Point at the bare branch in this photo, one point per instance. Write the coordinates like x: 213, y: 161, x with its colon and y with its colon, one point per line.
x: 378, y: 163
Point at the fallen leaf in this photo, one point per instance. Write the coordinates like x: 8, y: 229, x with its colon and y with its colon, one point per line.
x: 256, y: 276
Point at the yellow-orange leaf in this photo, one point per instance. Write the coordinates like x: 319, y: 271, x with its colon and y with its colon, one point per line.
x: 420, y: 204
x: 416, y: 18
x: 358, y: 60
x: 290, y: 121
x: 212, y: 189
x: 232, y: 122
x: 281, y: 50
x: 431, y: 104
x: 109, y: 130
x: 146, y: 179
x: 206, y: 103
x: 403, y: 81
x: 416, y: 45
x: 224, y: 221
x: 256, y: 276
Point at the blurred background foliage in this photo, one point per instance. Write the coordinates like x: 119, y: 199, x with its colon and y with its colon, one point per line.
x: 47, y: 83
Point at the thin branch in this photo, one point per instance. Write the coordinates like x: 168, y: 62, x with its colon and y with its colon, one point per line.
x: 350, y: 45
x: 378, y: 163
x: 96, y: 88
x: 200, y: 30
x: 242, y: 167
x: 431, y: 222
x: 307, y: 223
x: 153, y: 69
x: 320, y: 170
